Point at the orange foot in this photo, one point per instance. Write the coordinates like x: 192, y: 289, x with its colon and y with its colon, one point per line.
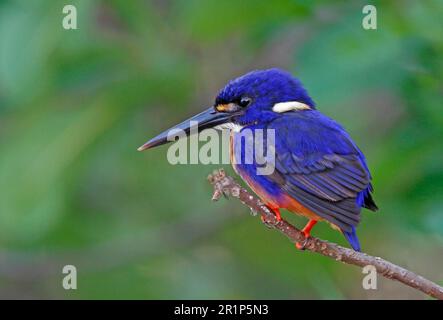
x: 275, y: 210
x: 307, y: 233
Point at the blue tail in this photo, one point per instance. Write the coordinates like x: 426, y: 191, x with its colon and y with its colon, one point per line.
x: 352, y: 238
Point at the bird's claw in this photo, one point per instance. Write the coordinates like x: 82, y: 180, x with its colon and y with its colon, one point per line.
x: 277, y: 216
x: 267, y: 223
x: 302, y: 245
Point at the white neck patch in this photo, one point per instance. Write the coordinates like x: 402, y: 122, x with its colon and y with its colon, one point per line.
x: 289, y: 106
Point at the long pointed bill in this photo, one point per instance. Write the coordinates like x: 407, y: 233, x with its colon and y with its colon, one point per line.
x: 207, y: 119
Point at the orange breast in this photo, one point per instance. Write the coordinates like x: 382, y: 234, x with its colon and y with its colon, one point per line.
x: 281, y: 201
x: 296, y: 207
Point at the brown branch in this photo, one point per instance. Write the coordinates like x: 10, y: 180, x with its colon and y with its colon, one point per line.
x: 226, y: 185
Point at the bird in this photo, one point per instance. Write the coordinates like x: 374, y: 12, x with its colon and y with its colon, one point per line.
x: 318, y: 170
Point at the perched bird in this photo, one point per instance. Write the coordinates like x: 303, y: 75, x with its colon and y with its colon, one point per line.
x: 319, y: 172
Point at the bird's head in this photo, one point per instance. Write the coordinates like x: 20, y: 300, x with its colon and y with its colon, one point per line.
x: 256, y: 97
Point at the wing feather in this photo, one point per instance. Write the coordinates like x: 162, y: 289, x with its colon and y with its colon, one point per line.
x: 320, y: 167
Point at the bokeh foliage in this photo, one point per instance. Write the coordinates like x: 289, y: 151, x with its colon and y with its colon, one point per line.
x: 74, y: 105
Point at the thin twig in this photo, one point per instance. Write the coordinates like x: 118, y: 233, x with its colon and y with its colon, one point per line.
x: 226, y: 185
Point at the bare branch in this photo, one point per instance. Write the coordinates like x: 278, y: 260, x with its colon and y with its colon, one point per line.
x: 226, y: 185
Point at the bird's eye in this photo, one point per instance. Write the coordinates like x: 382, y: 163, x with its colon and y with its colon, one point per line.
x: 244, y: 102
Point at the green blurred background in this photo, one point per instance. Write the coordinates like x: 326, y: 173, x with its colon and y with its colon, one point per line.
x: 75, y: 105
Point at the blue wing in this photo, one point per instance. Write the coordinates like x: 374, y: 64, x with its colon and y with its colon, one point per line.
x: 318, y: 165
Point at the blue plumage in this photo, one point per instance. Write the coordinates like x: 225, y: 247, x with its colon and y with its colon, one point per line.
x: 317, y: 163
x: 352, y: 238
x: 319, y: 171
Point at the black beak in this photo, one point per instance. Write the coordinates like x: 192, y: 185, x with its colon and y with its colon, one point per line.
x: 207, y: 119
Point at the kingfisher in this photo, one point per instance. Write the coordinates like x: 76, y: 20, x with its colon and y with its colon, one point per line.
x: 318, y: 170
